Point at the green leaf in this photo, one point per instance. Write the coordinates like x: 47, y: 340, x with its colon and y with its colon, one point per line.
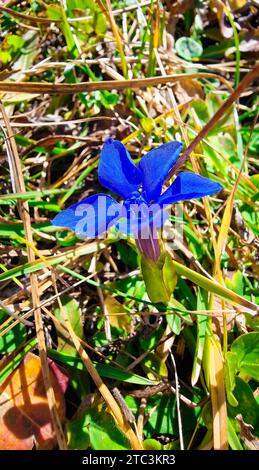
x: 184, y: 292
x: 160, y: 277
x: 163, y: 419
x: 202, y: 111
x: 105, y: 370
x: 230, y: 369
x: 252, y: 322
x: 79, y: 380
x: 10, y: 341
x: 148, y: 124
x: 233, y: 438
x: 194, y: 242
x: 54, y: 12
x: 152, y: 362
x: 78, y: 434
x: 169, y: 274
x: 250, y: 217
x: 72, y: 310
x: 255, y: 178
x: 246, y: 348
x: 108, y: 99
x: 247, y: 406
x: 133, y: 287
x: 57, y: 12
x: 208, y: 421
x: 74, y: 5
x: 149, y: 341
x: 174, y: 322
x: 153, y: 277
x: 95, y: 429
x: 182, y: 314
x: 153, y: 444
x: 188, y: 48
x: 213, y: 286
x: 237, y: 283
x: 5, y: 57
x: 202, y: 321
x: 111, y: 372
x: 16, y: 42
x: 100, y: 23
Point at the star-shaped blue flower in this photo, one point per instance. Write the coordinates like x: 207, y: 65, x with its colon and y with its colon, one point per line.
x: 140, y: 187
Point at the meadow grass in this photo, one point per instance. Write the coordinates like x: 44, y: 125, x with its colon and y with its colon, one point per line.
x: 137, y: 374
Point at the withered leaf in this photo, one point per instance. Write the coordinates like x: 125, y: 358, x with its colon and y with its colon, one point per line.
x: 25, y: 420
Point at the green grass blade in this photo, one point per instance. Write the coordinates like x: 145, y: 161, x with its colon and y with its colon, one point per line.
x: 214, y: 287
x: 105, y: 370
x: 202, y: 321
x: 11, y: 366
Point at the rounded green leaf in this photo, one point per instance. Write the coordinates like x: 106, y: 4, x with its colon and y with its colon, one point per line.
x: 10, y: 341
x: 95, y: 429
x: 247, y: 406
x: 246, y: 348
x: 188, y: 48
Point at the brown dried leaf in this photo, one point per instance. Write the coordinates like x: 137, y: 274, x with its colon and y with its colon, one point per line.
x: 25, y: 419
x: 246, y: 435
x: 188, y: 89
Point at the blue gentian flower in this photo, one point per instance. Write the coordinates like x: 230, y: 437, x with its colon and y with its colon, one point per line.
x: 143, y: 210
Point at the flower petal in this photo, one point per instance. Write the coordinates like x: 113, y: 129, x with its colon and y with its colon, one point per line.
x: 90, y: 217
x: 116, y: 170
x: 188, y: 185
x: 139, y: 220
x: 154, y: 167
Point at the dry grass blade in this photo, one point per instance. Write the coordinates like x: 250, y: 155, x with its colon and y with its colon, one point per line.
x: 218, y: 397
x: 103, y: 389
x: 66, y: 88
x: 177, y: 394
x: 248, y: 78
x: 14, y: 315
x: 117, y: 37
x: 31, y: 19
x: 23, y: 207
x: 226, y: 219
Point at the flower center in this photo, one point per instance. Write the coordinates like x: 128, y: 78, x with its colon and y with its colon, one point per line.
x: 135, y: 198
